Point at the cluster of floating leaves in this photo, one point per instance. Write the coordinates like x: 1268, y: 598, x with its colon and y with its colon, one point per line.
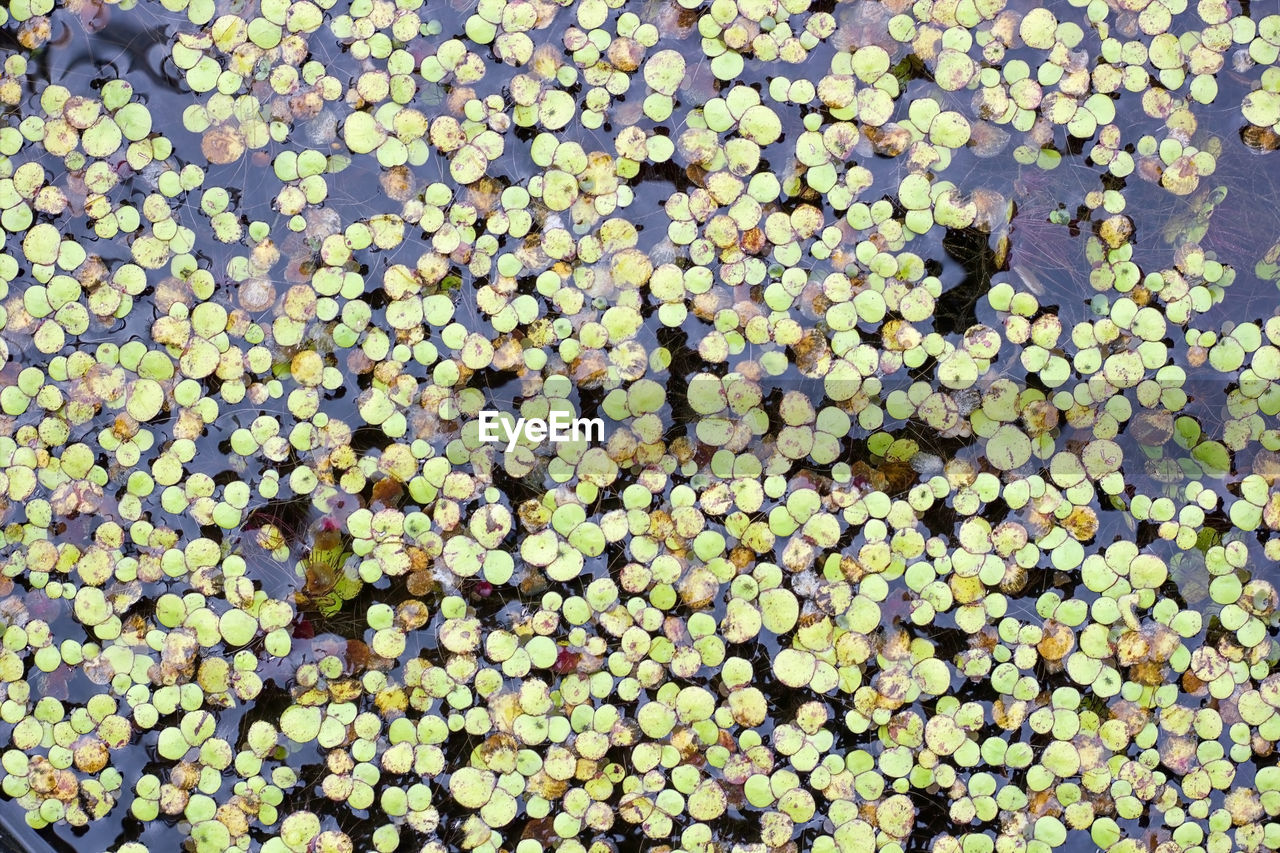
x: 938, y: 496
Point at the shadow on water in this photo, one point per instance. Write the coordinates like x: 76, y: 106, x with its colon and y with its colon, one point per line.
x: 957, y: 308
x: 125, y: 46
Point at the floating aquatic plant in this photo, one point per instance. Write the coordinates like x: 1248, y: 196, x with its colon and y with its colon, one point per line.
x: 911, y: 522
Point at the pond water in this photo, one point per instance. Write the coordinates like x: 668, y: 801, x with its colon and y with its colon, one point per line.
x: 936, y: 347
